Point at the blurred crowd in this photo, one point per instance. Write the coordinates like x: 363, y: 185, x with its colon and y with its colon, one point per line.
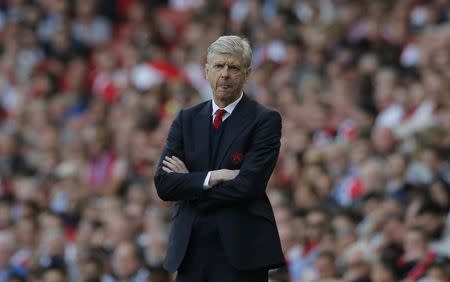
x: 88, y: 90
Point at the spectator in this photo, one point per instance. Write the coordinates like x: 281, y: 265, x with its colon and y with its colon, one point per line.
x: 417, y: 256
x: 325, y: 268
x: 127, y: 264
x: 88, y: 89
x: 436, y: 272
x: 92, y: 269
x: 54, y: 274
x: 383, y: 272
x: 304, y: 257
x: 89, y: 28
x: 357, y: 262
x: 7, y: 247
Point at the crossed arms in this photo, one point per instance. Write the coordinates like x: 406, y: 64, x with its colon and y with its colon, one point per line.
x: 174, y: 164
x: 175, y: 182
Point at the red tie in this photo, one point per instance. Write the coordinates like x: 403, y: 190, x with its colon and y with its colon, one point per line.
x: 218, y: 118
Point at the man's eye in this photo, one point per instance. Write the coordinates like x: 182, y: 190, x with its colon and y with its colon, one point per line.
x: 234, y: 69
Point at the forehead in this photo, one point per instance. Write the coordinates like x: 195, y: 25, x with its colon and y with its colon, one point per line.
x: 226, y: 59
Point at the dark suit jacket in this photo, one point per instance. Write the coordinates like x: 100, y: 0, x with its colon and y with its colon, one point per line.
x: 246, y: 223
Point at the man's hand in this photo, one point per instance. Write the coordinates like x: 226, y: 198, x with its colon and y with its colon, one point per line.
x: 174, y: 164
x: 218, y: 176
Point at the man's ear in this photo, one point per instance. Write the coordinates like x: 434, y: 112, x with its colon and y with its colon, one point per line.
x: 247, y: 73
x: 206, y: 70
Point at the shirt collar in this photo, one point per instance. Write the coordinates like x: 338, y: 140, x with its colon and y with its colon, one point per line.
x: 230, y: 108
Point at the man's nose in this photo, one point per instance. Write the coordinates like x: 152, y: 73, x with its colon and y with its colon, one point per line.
x: 225, y: 71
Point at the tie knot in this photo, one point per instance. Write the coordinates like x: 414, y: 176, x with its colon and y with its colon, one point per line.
x: 218, y: 118
x: 220, y: 112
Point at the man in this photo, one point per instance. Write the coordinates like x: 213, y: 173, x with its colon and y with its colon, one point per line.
x: 215, y: 167
x: 7, y: 248
x: 325, y: 268
x: 127, y: 264
x: 417, y: 256
x: 54, y: 274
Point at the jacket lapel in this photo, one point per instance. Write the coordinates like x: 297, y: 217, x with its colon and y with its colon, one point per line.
x: 201, y: 135
x: 239, y: 119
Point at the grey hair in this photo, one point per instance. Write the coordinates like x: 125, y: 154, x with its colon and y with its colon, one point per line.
x: 231, y: 44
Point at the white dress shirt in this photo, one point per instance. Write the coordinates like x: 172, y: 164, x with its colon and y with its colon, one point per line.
x: 228, y: 111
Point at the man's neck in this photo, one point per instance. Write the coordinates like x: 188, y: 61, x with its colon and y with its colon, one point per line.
x: 224, y: 103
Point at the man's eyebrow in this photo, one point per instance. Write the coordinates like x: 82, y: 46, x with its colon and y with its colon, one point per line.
x: 228, y: 64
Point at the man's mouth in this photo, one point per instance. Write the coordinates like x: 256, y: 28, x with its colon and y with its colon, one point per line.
x: 224, y: 87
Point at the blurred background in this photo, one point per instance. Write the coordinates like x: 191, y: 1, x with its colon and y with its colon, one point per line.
x: 88, y: 90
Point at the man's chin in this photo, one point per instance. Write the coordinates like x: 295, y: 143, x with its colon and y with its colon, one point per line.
x: 224, y: 92
x: 224, y: 96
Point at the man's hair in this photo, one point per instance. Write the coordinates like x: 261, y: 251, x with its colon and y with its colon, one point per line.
x: 419, y: 230
x: 231, y: 44
x: 327, y: 254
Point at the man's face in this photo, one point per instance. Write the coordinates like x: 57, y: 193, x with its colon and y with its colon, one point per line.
x: 316, y: 224
x: 431, y: 223
x: 325, y: 268
x: 415, y: 245
x: 125, y: 262
x: 226, y: 74
x: 53, y: 276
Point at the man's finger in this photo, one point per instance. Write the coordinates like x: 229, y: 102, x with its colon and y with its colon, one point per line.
x: 174, y: 166
x: 166, y: 169
x: 177, y: 159
x: 173, y: 162
x: 170, y: 165
x: 179, y: 162
x: 170, y: 159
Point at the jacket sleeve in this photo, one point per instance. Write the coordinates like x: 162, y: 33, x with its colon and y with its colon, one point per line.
x: 177, y: 186
x: 258, y: 165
